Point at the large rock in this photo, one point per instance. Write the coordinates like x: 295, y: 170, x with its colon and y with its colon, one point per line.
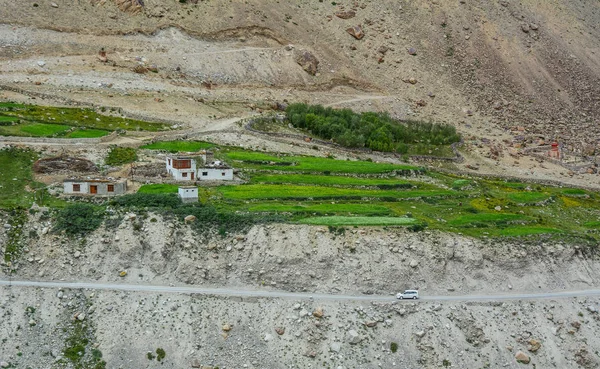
x: 522, y: 357
x: 308, y: 61
x: 534, y: 345
x: 346, y: 14
x: 353, y: 337
x: 130, y: 6
x: 356, y: 32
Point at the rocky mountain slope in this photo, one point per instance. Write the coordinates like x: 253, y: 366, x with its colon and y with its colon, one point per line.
x: 499, y: 63
x: 234, y: 332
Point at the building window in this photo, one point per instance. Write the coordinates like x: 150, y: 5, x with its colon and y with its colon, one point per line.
x: 111, y: 188
x: 223, y: 174
x: 182, y: 163
x: 204, y: 174
x: 76, y: 188
x: 184, y: 175
x: 169, y: 161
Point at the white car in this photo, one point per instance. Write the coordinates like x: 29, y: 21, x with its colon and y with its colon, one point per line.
x: 408, y: 294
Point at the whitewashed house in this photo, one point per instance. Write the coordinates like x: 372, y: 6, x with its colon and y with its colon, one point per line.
x: 97, y: 187
x: 198, y: 168
x: 182, y: 168
x: 188, y: 194
x: 216, y: 171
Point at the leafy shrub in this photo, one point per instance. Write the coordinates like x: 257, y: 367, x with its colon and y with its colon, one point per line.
x: 377, y: 131
x: 160, y: 354
x: 79, y: 218
x: 121, y: 155
x: 394, y: 347
x: 148, y: 200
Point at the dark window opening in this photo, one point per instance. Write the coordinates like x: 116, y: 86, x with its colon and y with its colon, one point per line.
x: 76, y: 188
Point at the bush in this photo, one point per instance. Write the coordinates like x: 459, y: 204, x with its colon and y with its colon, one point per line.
x: 78, y: 219
x: 121, y: 155
x: 148, y: 200
x: 160, y: 354
x: 394, y: 347
x: 377, y: 131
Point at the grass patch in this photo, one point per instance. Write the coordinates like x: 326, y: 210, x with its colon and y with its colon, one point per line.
x: 78, y: 117
x: 358, y: 221
x: 330, y: 180
x: 574, y: 191
x: 258, y: 191
x: 15, y: 167
x: 121, y: 155
x: 159, y: 188
x: 485, y: 219
x: 15, y: 242
x: 87, y: 133
x: 594, y: 224
x: 309, y: 164
x: 528, y: 197
x: 178, y: 146
x: 328, y: 208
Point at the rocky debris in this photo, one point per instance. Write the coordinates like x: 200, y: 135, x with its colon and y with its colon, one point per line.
x: 318, y: 313
x: 226, y: 327
x: 308, y: 61
x: 4, y: 364
x: 353, y: 337
x: 196, y: 363
x: 522, y: 357
x: 348, y: 14
x: 64, y: 163
x: 356, y: 32
x: 534, y: 345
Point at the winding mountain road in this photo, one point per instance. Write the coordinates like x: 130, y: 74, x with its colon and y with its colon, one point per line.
x: 239, y: 292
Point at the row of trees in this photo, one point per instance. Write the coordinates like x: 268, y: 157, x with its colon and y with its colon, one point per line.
x: 377, y: 131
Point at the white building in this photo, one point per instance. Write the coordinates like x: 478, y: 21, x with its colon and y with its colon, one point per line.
x: 188, y: 194
x: 182, y: 168
x: 185, y: 168
x: 97, y: 187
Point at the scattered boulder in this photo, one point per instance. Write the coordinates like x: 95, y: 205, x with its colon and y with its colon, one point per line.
x: 318, y: 313
x: 353, y: 337
x: 371, y: 324
x: 335, y: 347
x: 348, y: 14
x: 190, y: 219
x: 227, y: 327
x: 356, y: 32
x: 534, y: 345
x: 280, y: 330
x: 412, y: 51
x: 414, y: 263
x: 308, y: 61
x: 522, y: 357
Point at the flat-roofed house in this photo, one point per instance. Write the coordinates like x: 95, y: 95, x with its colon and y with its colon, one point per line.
x: 182, y: 168
x: 98, y: 187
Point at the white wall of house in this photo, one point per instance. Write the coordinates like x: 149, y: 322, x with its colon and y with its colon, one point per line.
x: 215, y: 174
x: 188, y: 194
x: 84, y: 187
x: 186, y: 174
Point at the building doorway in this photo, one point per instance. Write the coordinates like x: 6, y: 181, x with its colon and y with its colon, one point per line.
x: 93, y: 189
x: 192, y: 176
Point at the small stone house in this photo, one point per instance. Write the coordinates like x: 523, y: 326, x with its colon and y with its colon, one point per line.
x: 188, y: 194
x: 94, y: 187
x: 215, y: 171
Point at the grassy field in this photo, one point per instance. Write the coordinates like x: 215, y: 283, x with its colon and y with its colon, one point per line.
x: 178, y: 146
x: 322, y: 208
x: 323, y: 180
x: 308, y: 164
x: 159, y: 188
x: 35, y: 119
x: 17, y: 188
x: 257, y: 191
